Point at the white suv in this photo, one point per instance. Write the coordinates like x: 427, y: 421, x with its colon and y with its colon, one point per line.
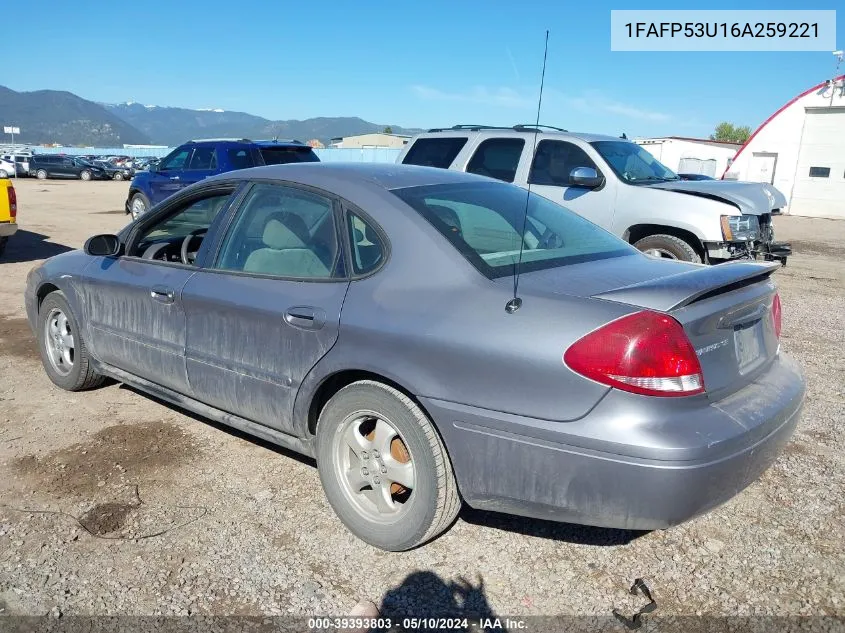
x: 617, y: 185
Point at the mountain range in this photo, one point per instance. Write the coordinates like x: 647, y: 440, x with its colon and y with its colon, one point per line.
x: 51, y: 116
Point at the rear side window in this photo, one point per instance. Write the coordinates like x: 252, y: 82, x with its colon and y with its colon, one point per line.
x: 555, y: 160
x: 366, y: 246
x: 239, y: 158
x: 497, y: 158
x: 284, y: 155
x: 435, y: 152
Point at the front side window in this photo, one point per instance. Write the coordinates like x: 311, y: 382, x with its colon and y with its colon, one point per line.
x: 176, y: 160
x: 435, y: 152
x: 366, y: 245
x: 554, y: 162
x: 283, y: 232
x: 484, y: 222
x: 163, y: 239
x: 497, y: 158
x: 632, y: 163
x: 203, y: 158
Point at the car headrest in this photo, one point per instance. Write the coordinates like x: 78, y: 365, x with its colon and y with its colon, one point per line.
x: 278, y: 236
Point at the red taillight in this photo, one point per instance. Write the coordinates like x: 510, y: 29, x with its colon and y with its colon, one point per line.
x: 13, y: 202
x: 646, y: 353
x: 777, y: 315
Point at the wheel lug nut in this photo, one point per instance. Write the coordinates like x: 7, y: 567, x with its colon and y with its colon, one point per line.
x: 375, y: 454
x: 383, y: 470
x: 376, y: 480
x: 365, y: 472
x: 365, y: 455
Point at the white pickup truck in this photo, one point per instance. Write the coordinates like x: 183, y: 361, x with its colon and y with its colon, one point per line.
x: 617, y: 185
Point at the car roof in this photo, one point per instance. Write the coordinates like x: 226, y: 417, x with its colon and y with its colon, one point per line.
x: 495, y: 132
x: 339, y: 177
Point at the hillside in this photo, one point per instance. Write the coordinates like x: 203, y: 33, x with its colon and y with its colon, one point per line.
x: 52, y: 116
x: 171, y: 126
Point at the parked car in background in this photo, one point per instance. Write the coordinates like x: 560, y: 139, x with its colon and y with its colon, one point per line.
x: 14, y: 165
x: 196, y: 160
x: 8, y: 212
x: 304, y: 304
x: 114, y: 172
x: 58, y: 166
x: 619, y: 186
x: 8, y: 168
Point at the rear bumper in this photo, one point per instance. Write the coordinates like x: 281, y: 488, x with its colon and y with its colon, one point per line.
x: 525, y: 467
x: 7, y: 229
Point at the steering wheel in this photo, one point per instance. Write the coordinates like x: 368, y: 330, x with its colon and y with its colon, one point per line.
x: 187, y: 256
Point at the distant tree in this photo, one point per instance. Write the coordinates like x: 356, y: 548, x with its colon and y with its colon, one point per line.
x: 731, y: 133
x: 388, y: 130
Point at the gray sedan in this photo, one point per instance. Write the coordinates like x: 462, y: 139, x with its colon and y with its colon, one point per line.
x: 366, y: 315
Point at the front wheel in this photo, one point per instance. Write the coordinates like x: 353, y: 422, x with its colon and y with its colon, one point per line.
x: 3, y: 173
x: 63, y: 352
x: 85, y: 174
x: 668, y: 247
x: 384, y: 468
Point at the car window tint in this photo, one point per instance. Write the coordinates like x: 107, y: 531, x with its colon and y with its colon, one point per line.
x: 555, y: 160
x: 176, y: 160
x: 366, y: 246
x: 283, y: 155
x: 203, y: 158
x: 497, y: 158
x: 239, y: 158
x: 434, y: 152
x: 194, y: 216
x: 484, y: 222
x: 284, y: 232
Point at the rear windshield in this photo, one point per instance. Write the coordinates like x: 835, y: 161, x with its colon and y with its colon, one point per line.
x: 434, y: 152
x: 484, y: 222
x: 283, y: 155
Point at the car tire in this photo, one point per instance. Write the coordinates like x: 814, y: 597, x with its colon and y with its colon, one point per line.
x: 85, y: 175
x: 668, y: 247
x: 117, y: 176
x: 3, y: 173
x: 62, y: 345
x: 360, y: 486
x: 41, y: 174
x: 139, y: 204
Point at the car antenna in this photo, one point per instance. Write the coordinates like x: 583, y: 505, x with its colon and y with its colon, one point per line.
x: 516, y: 303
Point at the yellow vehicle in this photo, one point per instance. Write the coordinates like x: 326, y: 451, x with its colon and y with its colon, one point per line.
x: 8, y: 212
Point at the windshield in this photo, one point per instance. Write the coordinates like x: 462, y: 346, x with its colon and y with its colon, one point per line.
x: 632, y: 163
x: 484, y: 222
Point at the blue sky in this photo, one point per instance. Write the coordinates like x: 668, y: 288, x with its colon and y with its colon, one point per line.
x: 412, y: 63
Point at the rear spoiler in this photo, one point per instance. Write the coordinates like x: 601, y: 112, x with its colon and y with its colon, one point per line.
x: 676, y: 291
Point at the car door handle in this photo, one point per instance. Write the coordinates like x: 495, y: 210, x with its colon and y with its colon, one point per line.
x: 174, y: 178
x: 305, y: 317
x: 162, y: 294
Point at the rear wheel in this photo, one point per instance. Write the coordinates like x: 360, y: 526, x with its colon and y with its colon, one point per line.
x: 384, y: 468
x: 3, y: 173
x: 41, y: 174
x: 668, y: 247
x: 138, y: 205
x: 117, y: 176
x: 63, y: 351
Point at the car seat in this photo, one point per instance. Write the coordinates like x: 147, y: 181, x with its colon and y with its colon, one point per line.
x: 285, y: 252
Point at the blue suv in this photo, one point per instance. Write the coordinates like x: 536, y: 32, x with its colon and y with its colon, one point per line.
x: 195, y: 160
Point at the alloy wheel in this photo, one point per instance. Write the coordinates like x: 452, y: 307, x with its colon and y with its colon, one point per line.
x: 58, y: 338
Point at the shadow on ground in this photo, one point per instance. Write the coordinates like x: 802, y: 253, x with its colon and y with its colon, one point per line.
x: 26, y: 246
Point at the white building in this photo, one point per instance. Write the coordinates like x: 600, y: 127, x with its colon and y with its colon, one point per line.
x: 691, y: 155
x: 800, y: 149
x: 375, y: 140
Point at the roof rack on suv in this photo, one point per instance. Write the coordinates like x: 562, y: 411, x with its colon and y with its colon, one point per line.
x: 469, y: 127
x: 280, y: 140
x: 214, y: 140
x: 530, y: 127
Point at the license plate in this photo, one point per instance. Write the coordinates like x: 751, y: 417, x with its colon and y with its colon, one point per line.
x: 748, y: 346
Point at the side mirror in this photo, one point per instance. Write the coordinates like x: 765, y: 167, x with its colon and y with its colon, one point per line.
x: 585, y: 177
x: 102, y: 245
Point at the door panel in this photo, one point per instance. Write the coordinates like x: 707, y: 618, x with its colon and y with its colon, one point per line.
x: 247, y: 349
x: 136, y: 319
x: 549, y: 177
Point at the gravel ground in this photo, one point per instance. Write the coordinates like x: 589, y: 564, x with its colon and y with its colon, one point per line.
x: 112, y: 503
